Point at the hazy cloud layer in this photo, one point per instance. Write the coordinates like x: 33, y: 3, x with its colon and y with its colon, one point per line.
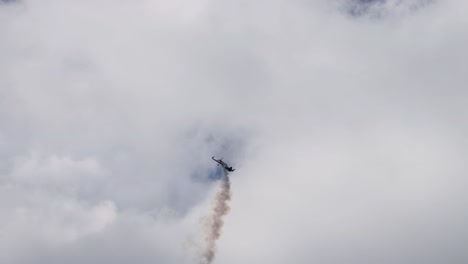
x: 346, y: 121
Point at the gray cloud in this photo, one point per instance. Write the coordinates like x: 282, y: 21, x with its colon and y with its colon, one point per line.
x: 383, y: 8
x: 348, y: 134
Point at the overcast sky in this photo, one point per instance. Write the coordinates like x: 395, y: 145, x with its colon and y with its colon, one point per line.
x: 347, y: 122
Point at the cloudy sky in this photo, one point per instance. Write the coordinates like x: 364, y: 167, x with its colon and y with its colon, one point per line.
x: 346, y: 121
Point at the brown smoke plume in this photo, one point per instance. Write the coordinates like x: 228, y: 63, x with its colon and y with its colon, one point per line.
x: 214, y: 223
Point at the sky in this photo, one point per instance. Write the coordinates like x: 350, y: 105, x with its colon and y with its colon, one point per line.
x: 346, y: 121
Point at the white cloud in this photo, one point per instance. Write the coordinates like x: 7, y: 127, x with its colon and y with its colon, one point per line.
x: 348, y: 133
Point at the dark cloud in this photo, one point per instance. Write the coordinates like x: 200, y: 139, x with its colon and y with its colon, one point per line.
x: 362, y: 7
x: 383, y: 8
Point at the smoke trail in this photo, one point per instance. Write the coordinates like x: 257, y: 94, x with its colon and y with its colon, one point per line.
x: 214, y: 223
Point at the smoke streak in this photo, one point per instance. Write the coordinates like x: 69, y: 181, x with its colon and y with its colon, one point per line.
x: 214, y: 223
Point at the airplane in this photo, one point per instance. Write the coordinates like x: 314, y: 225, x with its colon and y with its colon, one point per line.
x: 223, y: 164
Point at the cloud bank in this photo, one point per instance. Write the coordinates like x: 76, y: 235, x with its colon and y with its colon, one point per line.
x: 346, y: 121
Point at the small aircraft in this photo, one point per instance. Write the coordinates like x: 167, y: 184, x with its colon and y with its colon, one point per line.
x: 223, y: 164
